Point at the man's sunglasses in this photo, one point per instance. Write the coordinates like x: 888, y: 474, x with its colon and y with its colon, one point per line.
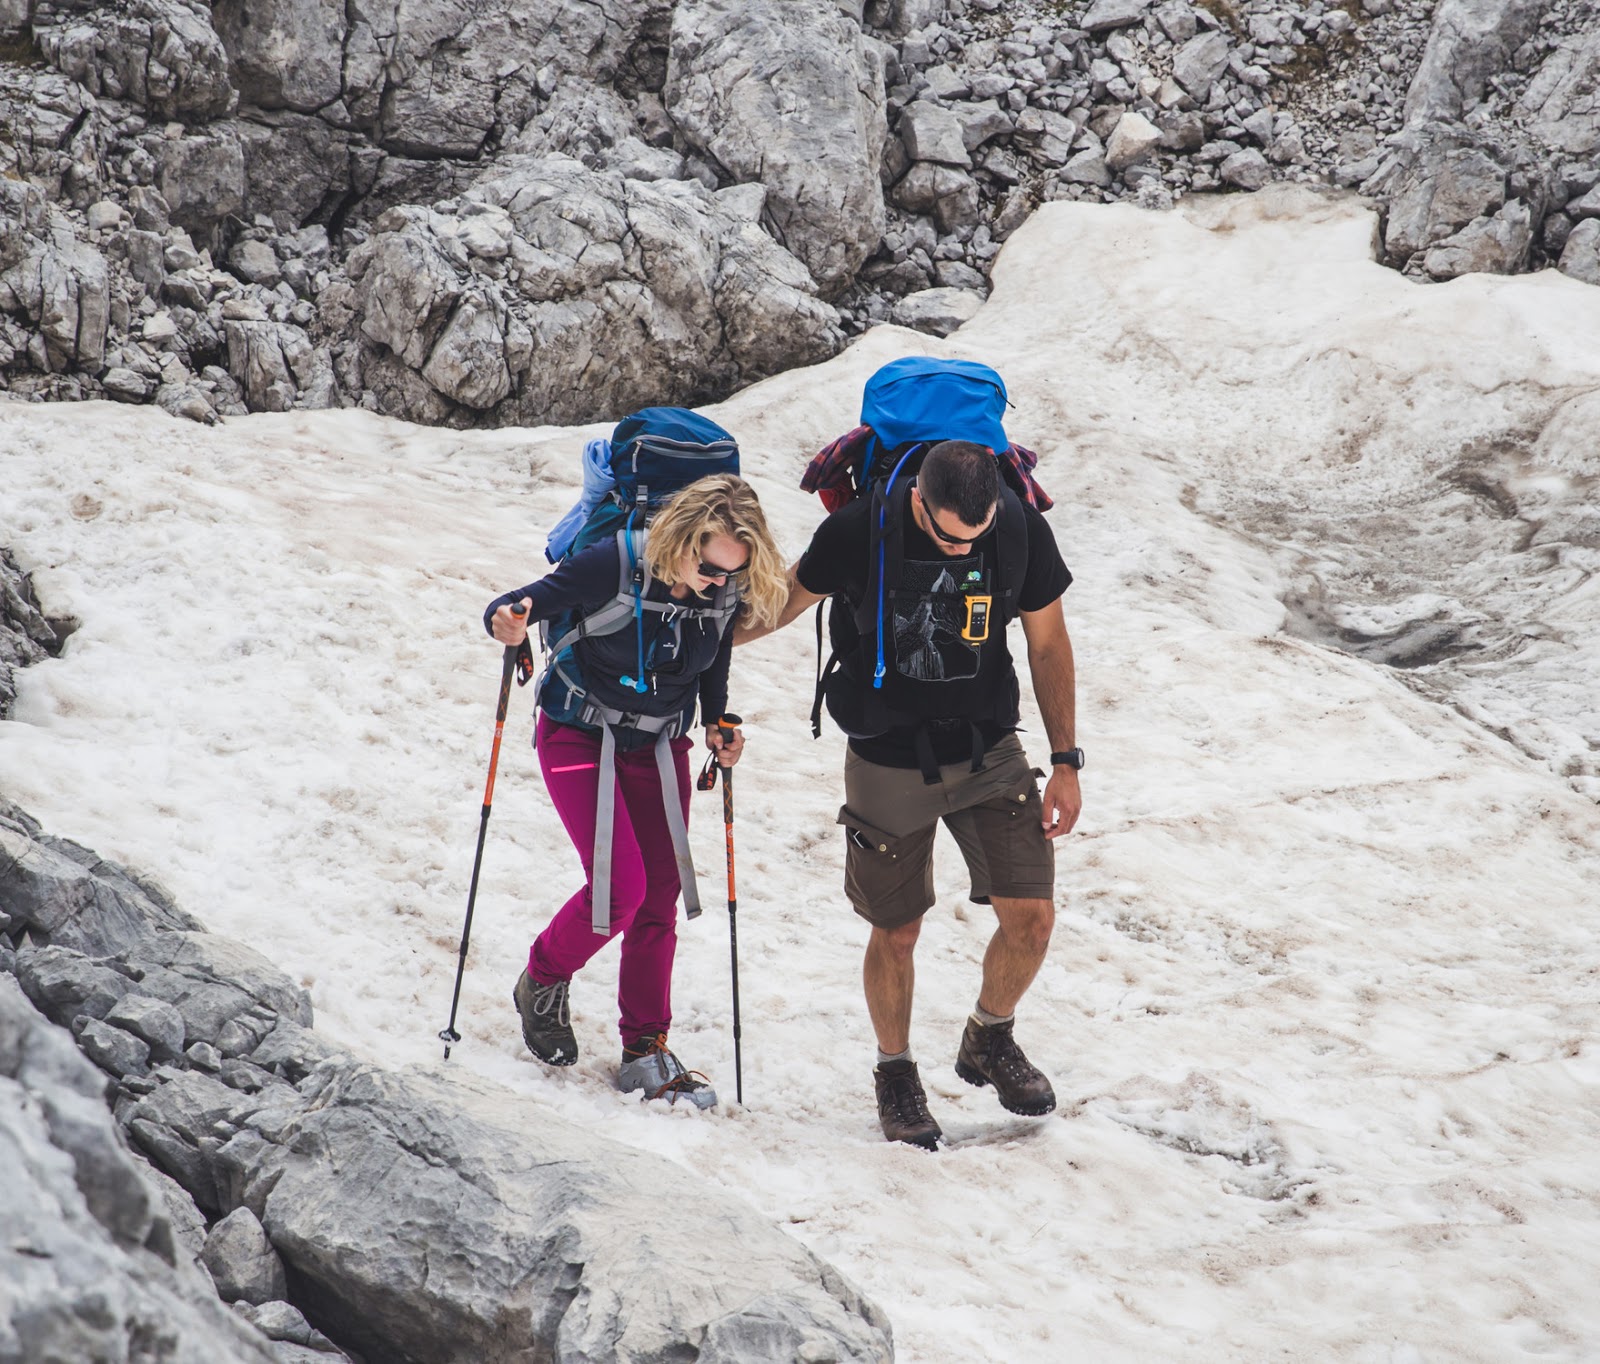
x: 942, y: 534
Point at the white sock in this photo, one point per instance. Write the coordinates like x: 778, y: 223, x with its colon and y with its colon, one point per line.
x: 884, y: 1057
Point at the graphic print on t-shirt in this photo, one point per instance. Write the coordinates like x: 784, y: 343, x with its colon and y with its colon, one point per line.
x: 927, y: 628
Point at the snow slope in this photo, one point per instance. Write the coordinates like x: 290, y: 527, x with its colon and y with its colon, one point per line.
x: 1321, y: 1003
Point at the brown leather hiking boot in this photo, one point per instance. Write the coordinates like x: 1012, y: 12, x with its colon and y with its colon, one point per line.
x: 903, y: 1107
x: 990, y: 1056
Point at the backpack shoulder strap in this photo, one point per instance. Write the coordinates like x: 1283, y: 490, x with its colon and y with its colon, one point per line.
x: 1012, y: 552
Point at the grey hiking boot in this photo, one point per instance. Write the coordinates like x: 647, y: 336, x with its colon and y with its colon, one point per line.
x: 990, y: 1056
x: 649, y: 1067
x: 903, y: 1105
x: 546, y: 1020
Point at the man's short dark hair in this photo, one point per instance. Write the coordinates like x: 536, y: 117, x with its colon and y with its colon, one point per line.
x: 961, y: 477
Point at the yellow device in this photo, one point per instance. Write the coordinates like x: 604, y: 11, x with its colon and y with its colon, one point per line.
x: 976, y: 629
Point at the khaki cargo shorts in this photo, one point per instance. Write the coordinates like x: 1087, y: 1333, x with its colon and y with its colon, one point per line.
x: 890, y: 815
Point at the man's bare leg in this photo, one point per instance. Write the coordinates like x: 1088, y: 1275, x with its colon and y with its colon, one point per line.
x: 888, y: 974
x: 989, y: 1053
x: 1015, y: 952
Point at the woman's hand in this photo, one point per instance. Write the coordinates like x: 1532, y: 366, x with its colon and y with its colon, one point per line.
x: 511, y: 629
x: 728, y: 750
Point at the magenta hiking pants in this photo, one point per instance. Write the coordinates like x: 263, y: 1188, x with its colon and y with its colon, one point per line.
x: 644, y: 873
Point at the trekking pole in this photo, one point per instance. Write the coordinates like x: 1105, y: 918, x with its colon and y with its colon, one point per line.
x: 449, y: 1035
x: 708, y: 779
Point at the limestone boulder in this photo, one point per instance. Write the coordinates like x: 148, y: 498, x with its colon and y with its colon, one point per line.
x: 1496, y: 245
x: 787, y: 93
x: 162, y: 55
x: 512, y: 303
x: 89, y: 1264
x: 1469, y: 41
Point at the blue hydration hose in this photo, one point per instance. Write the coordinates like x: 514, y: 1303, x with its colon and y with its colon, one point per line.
x: 878, y: 674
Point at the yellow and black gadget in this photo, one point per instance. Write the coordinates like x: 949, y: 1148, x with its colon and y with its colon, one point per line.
x: 976, y: 630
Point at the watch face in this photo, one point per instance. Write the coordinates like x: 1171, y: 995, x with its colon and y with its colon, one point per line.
x: 1073, y: 758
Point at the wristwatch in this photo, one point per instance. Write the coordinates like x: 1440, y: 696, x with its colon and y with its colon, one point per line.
x: 1072, y: 758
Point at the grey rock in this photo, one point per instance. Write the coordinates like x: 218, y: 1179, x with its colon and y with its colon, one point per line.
x: 63, y: 984
x: 1559, y: 104
x: 88, y: 1261
x: 734, y: 68
x: 162, y: 55
x: 242, y: 1262
x: 933, y: 133
x: 294, y: 164
x: 283, y: 1321
x: 186, y: 401
x: 936, y: 311
x: 954, y: 274
x: 213, y: 981
x: 113, y: 1050
x: 1438, y: 192
x: 270, y: 361
x: 528, y: 1207
x: 982, y: 122
x: 126, y: 386
x: 1103, y: 15
x: 201, y: 176
x: 1183, y: 132
x: 1586, y: 206
x: 946, y: 83
x: 255, y: 262
x: 285, y: 53
x: 1087, y: 168
x: 1469, y: 41
x: 588, y: 250
x: 1197, y: 64
x: 950, y: 195
x: 1133, y: 139
x: 1177, y: 21
x: 1495, y: 245
x: 1580, y: 257
x: 176, y: 1126
x: 153, y: 1020
x: 1245, y: 169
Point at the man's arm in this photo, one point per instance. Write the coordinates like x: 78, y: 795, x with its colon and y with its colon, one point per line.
x: 1055, y: 688
x: 798, y: 602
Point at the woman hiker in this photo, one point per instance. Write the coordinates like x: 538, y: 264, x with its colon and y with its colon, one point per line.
x: 627, y: 699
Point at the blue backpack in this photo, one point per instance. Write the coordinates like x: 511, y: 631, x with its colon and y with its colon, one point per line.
x: 918, y: 399
x: 652, y: 454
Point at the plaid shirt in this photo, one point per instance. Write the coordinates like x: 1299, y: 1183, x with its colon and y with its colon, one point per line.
x: 835, y: 473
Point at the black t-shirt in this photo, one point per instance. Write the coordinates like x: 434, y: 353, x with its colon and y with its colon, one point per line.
x: 836, y: 562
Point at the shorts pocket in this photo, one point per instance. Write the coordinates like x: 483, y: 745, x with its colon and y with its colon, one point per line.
x: 867, y: 838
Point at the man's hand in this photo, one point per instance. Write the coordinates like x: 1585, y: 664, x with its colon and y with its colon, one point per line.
x: 510, y: 629
x: 1063, y: 802
x: 727, y: 750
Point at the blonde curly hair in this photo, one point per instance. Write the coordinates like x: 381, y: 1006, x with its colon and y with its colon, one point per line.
x: 721, y: 504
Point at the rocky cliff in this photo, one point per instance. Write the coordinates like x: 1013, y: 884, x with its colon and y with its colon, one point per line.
x: 505, y: 212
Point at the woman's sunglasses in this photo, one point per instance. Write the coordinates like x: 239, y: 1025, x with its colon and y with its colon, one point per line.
x: 717, y: 572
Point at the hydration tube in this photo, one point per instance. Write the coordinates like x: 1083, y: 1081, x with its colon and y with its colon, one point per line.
x: 878, y: 673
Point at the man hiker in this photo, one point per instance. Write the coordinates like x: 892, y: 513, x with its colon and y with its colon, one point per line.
x: 927, y: 692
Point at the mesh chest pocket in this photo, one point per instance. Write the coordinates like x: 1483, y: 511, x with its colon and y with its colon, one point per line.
x: 930, y: 620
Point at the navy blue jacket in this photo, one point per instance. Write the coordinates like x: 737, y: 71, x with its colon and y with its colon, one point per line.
x: 695, y: 670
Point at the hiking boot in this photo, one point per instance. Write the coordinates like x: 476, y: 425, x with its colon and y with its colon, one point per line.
x: 990, y: 1055
x: 546, y: 1020
x: 649, y: 1067
x: 902, y: 1105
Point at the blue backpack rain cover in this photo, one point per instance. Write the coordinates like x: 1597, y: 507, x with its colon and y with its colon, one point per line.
x: 920, y: 398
